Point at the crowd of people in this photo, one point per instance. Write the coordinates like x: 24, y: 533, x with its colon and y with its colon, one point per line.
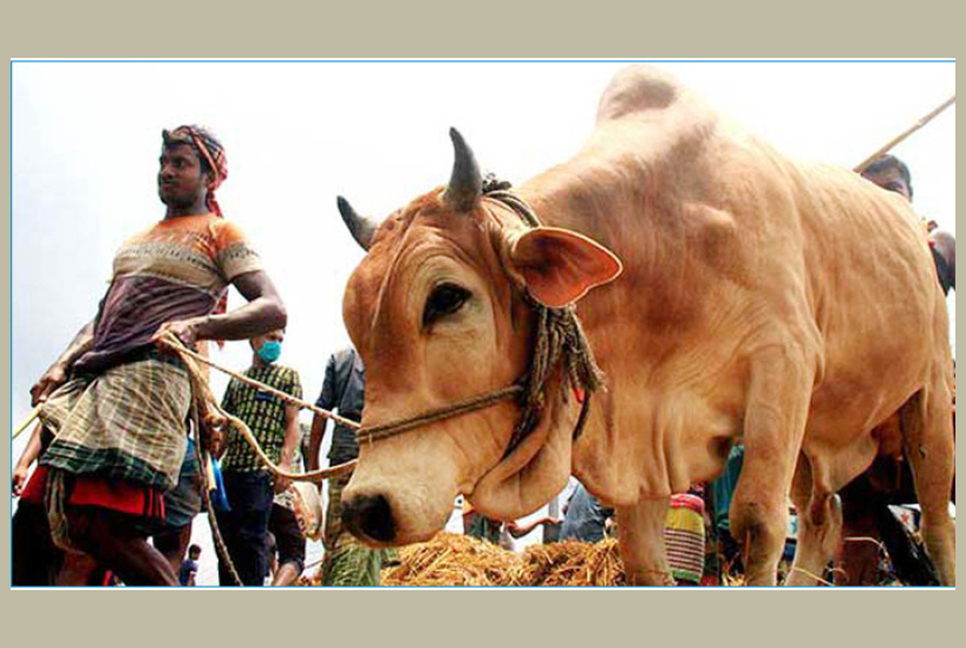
x: 119, y: 481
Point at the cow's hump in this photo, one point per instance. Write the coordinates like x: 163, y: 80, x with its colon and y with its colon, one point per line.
x: 637, y: 88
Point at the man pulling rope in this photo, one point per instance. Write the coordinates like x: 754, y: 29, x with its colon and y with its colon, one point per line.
x: 117, y: 405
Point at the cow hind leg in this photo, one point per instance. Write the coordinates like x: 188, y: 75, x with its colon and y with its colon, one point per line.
x: 929, y: 446
x: 640, y: 534
x: 775, y: 414
x: 819, y: 524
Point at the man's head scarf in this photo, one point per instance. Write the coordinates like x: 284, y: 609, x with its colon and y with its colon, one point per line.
x: 209, y: 149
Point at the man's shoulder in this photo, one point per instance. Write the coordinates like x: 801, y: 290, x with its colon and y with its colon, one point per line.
x: 287, y: 372
x: 144, y: 234
x: 286, y: 376
x: 345, y: 357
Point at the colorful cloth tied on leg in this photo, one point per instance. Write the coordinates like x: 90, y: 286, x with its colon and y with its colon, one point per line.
x: 684, y: 537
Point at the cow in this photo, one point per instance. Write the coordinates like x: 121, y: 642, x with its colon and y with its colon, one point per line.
x: 726, y: 292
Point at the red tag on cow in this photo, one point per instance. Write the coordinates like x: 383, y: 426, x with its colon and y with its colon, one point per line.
x: 579, y: 393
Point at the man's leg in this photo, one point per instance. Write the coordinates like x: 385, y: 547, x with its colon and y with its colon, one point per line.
x: 290, y: 544
x: 228, y: 528
x: 36, y: 560
x: 172, y: 542
x: 80, y: 570
x: 112, y: 540
x: 181, y: 505
x: 250, y: 496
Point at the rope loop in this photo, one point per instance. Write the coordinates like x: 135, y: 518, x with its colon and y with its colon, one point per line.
x: 212, y: 417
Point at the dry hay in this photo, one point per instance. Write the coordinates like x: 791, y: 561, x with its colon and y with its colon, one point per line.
x: 456, y: 560
x: 572, y: 563
x: 450, y: 559
x: 459, y: 560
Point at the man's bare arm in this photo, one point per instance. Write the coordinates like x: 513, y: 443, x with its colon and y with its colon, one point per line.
x: 30, y: 454
x: 315, y: 443
x: 288, y: 445
x: 263, y: 313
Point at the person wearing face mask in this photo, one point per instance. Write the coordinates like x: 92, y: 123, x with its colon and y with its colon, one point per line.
x: 249, y: 487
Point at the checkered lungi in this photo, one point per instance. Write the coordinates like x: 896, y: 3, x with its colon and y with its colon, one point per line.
x: 125, y: 428
x: 128, y: 423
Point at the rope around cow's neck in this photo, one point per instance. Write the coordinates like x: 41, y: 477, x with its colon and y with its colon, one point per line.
x: 370, y: 434
x: 215, y: 416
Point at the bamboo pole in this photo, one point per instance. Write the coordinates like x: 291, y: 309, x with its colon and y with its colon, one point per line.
x: 27, y: 421
x: 909, y: 131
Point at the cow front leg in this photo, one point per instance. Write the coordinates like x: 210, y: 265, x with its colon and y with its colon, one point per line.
x: 778, y: 398
x: 640, y: 532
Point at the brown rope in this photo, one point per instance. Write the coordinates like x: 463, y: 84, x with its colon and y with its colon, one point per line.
x: 171, y: 341
x: 368, y: 435
x: 215, y: 417
x: 201, y: 469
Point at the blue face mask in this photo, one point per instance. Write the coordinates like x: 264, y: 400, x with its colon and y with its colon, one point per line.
x: 270, y: 351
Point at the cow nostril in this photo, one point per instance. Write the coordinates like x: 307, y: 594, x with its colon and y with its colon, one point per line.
x: 371, y: 515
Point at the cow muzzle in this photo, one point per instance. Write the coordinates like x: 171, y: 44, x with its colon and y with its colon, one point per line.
x: 369, y: 517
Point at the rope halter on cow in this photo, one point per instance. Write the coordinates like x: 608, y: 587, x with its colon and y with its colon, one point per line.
x: 559, y: 341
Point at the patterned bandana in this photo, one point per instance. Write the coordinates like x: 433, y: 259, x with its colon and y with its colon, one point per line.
x: 213, y: 153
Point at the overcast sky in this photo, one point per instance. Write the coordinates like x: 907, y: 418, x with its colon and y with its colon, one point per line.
x: 86, y: 138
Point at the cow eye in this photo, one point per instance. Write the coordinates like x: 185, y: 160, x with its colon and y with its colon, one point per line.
x: 445, y: 300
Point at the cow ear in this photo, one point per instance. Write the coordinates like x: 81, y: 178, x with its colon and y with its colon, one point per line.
x: 559, y: 266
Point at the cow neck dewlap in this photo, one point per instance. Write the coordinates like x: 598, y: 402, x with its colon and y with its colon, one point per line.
x: 536, y: 471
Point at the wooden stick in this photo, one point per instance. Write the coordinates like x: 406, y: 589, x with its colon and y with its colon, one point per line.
x: 210, y: 473
x: 27, y: 421
x: 909, y: 131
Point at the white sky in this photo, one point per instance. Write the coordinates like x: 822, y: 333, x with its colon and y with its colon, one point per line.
x: 86, y: 138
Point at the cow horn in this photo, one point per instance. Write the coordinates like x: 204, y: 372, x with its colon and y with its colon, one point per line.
x: 466, y: 184
x: 362, y: 228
